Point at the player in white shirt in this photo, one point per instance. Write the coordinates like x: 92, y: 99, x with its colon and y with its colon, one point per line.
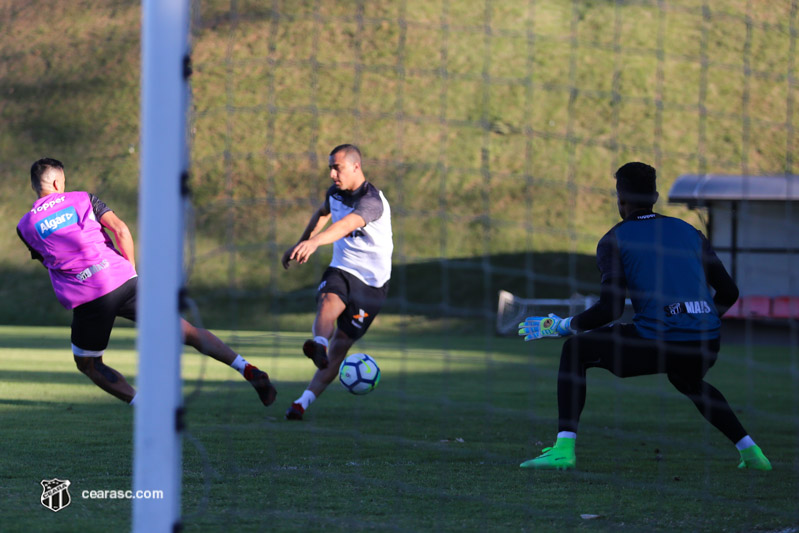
x: 354, y: 286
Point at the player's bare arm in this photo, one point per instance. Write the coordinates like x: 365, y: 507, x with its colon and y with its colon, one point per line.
x: 122, y: 235
x: 303, y: 251
x: 317, y: 222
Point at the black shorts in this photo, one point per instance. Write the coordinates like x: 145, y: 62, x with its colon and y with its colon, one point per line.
x: 362, y: 301
x: 93, y: 321
x: 621, y: 350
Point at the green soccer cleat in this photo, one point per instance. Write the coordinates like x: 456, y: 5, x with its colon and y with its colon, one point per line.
x: 754, y: 459
x: 559, y: 457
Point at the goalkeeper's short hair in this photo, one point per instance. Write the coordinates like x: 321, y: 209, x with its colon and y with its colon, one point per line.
x: 636, y: 183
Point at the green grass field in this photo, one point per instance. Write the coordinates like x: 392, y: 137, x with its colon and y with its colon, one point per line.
x: 435, y: 448
x: 493, y: 128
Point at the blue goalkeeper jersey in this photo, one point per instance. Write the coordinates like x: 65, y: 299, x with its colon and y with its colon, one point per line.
x: 661, y: 262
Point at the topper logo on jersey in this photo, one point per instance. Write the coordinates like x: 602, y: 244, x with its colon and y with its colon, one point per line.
x: 48, y: 205
x: 56, y: 221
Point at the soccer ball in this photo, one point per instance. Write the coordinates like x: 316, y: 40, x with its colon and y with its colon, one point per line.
x: 359, y: 373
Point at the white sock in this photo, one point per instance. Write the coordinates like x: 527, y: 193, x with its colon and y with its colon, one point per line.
x: 745, y: 443
x: 133, y: 399
x: 567, y: 435
x: 239, y: 363
x: 306, y: 399
x: 320, y: 340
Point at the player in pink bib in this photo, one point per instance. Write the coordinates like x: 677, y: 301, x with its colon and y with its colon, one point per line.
x: 66, y: 231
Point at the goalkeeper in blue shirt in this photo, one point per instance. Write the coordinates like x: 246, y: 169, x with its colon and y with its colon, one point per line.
x: 667, y: 268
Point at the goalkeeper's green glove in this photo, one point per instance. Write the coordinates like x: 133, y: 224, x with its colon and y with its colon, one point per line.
x: 536, y: 327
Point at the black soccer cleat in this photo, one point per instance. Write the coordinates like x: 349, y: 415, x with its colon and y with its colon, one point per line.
x: 295, y: 412
x: 315, y: 352
x: 260, y: 381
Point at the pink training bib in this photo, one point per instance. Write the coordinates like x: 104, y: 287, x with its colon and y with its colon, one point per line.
x: 81, y: 258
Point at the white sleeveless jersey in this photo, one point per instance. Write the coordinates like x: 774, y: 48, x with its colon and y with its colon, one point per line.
x: 366, y: 252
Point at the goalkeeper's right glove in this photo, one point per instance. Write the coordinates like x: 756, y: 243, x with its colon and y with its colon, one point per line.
x: 537, y: 327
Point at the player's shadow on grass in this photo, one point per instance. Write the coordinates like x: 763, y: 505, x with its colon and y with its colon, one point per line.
x: 44, y: 377
x: 42, y: 342
x: 30, y: 403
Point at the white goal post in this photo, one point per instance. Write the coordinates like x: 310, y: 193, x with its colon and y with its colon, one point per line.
x: 157, y: 457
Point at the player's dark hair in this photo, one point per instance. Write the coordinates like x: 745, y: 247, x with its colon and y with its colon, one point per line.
x: 40, y: 167
x: 349, y: 150
x: 635, y: 183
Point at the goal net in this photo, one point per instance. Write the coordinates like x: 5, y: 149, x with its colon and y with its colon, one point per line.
x: 493, y: 129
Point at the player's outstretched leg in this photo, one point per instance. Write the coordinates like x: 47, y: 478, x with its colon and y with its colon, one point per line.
x: 754, y: 459
x: 209, y: 344
x: 714, y: 407
x: 558, y: 457
x: 105, y: 377
x: 260, y: 381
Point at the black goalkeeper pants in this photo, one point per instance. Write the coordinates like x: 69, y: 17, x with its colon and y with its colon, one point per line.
x: 619, y: 349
